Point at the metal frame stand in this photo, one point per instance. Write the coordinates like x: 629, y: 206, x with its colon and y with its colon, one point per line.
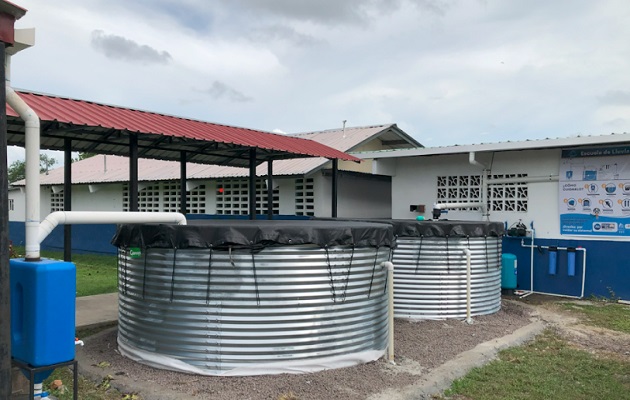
x: 33, y: 370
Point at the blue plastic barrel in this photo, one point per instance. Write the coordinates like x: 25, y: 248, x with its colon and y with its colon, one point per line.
x: 43, y: 297
x: 508, y: 271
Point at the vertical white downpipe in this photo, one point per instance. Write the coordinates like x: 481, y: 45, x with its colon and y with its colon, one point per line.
x: 31, y: 133
x: 390, y: 310
x: 468, y: 285
x: 484, y: 183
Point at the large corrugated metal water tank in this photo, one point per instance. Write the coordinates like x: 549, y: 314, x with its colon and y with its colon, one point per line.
x: 430, y: 268
x: 235, y: 297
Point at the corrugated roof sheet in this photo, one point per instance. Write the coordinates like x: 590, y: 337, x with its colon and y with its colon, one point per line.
x: 104, y: 129
x: 537, y: 144
x: 104, y: 169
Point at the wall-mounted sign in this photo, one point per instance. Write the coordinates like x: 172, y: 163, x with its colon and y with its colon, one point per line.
x: 595, y: 191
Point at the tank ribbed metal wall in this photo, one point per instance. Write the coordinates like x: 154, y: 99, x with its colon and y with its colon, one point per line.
x: 220, y: 310
x: 430, y: 277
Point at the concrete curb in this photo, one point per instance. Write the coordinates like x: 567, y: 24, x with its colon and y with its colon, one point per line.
x: 442, y: 377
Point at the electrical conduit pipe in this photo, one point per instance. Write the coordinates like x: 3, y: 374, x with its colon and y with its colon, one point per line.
x: 468, y: 285
x: 89, y: 217
x: 390, y: 310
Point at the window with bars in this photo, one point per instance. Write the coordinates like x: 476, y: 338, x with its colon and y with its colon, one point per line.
x: 233, y: 197
x: 164, y: 197
x: 56, y: 200
x: 304, y: 197
x: 11, y: 205
x: 467, y: 188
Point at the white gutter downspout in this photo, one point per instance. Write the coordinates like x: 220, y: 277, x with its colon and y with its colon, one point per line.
x: 105, y: 217
x: 468, y: 285
x: 31, y: 139
x: 390, y: 310
x: 483, y: 204
x: 484, y: 183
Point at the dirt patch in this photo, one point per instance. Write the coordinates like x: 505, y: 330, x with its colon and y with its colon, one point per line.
x: 421, y: 346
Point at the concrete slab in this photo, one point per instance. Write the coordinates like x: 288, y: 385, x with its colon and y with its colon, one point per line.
x: 96, y: 310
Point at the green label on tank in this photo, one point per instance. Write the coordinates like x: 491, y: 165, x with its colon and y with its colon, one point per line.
x: 135, y: 252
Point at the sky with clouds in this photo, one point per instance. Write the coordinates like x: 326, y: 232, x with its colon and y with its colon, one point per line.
x: 446, y: 71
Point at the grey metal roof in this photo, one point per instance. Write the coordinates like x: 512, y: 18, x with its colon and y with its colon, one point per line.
x: 110, y: 169
x: 549, y: 143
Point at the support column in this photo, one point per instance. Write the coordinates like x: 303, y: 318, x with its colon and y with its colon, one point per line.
x: 67, y: 197
x: 335, y: 172
x: 252, y: 183
x: 270, y: 189
x: 183, y: 193
x: 133, y: 172
x: 5, y: 283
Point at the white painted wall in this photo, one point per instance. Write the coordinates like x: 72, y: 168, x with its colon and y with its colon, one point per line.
x: 414, y: 181
x: 19, y: 205
x: 286, y: 189
x: 105, y: 197
x: 358, y: 196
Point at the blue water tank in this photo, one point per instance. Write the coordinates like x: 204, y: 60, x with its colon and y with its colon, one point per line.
x: 43, y: 297
x: 508, y: 271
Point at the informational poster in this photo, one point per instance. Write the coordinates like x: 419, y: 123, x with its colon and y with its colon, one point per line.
x: 595, y: 191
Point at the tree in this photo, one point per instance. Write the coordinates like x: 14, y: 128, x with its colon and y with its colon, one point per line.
x: 83, y: 156
x: 17, y: 169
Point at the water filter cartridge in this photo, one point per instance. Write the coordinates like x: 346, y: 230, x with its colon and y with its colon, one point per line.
x: 553, y: 260
x: 571, y: 261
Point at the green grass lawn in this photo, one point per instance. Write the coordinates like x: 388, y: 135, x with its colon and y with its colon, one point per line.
x: 603, y: 314
x: 547, y: 368
x: 96, y: 273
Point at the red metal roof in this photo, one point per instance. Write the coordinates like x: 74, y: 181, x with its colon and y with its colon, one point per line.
x: 105, y: 129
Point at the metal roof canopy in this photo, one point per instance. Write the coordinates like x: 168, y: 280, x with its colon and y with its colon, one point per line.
x: 104, y: 129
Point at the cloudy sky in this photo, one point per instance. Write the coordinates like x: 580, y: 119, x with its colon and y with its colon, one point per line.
x: 446, y: 71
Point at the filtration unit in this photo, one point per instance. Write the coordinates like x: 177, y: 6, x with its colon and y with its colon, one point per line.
x: 235, y: 297
x: 431, y: 268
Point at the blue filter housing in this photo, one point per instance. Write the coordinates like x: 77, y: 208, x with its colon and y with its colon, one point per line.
x: 553, y: 260
x: 571, y: 261
x: 508, y: 271
x: 43, y: 297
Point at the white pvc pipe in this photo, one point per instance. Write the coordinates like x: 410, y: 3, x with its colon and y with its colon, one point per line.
x: 532, y: 246
x: 583, y: 269
x: 444, y: 206
x: 484, y: 194
x: 31, y: 147
x: 115, y: 217
x: 473, y: 161
x: 524, y: 179
x: 484, y: 183
x: 390, y: 310
x: 531, y: 265
x: 468, y: 284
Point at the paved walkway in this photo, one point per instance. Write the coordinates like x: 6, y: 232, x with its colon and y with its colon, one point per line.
x: 96, y: 310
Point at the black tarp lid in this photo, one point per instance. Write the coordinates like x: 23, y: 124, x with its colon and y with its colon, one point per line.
x: 256, y: 233
x: 435, y: 228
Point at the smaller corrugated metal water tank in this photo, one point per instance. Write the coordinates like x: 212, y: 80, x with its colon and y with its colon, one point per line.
x: 235, y: 297
x: 430, y: 268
